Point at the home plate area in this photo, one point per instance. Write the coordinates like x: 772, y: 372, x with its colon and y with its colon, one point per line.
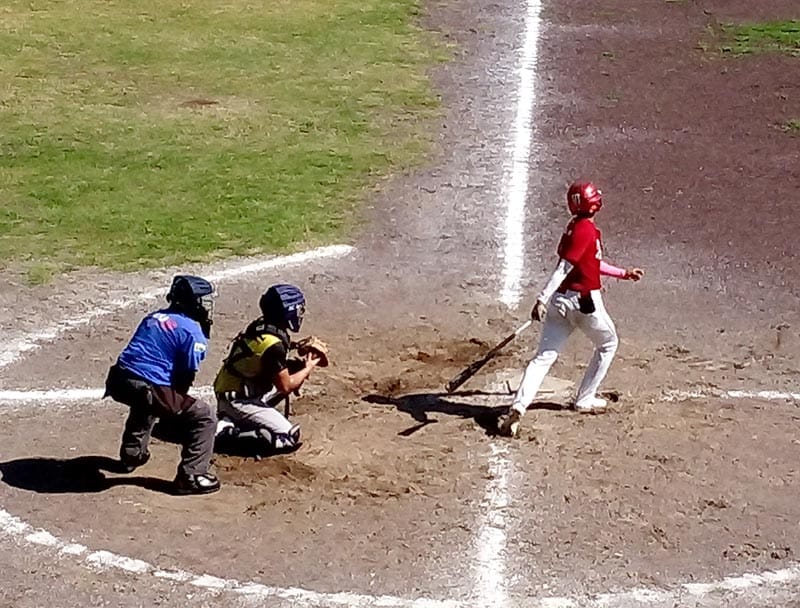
x: 409, y: 499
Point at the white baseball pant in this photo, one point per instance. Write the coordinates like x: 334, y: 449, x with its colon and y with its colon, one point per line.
x: 563, y: 316
x: 258, y: 417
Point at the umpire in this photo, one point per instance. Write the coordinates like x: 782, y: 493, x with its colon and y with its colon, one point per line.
x: 152, y: 376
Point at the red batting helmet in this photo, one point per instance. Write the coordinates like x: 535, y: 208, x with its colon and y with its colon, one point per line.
x: 584, y: 197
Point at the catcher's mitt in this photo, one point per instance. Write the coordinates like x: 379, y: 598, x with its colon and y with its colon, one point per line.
x: 312, y: 344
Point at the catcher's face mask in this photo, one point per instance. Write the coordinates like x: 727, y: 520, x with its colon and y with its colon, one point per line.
x: 294, y: 317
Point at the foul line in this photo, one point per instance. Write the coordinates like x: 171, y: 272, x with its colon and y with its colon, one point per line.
x: 13, y: 350
x: 491, y: 581
x: 517, y: 184
x: 491, y: 540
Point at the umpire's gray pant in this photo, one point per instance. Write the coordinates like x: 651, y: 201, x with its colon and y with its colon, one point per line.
x: 148, y: 402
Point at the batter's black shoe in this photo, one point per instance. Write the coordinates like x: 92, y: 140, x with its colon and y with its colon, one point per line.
x: 128, y: 464
x: 196, y: 484
x: 509, y: 426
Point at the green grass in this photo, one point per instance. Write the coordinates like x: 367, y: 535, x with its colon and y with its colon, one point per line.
x: 148, y: 133
x: 772, y: 36
x: 792, y: 126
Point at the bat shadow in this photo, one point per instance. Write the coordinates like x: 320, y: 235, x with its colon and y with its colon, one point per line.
x: 80, y: 475
x: 420, y: 405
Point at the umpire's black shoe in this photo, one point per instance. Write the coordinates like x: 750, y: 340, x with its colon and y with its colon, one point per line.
x: 206, y: 483
x: 128, y: 464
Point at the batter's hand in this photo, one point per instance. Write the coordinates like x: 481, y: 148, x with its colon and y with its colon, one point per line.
x: 539, y: 311
x: 634, y: 274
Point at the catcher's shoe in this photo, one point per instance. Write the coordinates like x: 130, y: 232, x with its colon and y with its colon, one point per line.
x: 128, y: 464
x: 509, y: 427
x: 226, y: 429
x: 595, y: 405
x: 287, y: 442
x: 206, y: 483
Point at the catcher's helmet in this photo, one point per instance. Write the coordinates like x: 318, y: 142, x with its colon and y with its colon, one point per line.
x: 193, y: 296
x: 584, y: 198
x: 284, y: 305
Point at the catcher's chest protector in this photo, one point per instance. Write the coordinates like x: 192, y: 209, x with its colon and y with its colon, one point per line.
x: 244, y: 360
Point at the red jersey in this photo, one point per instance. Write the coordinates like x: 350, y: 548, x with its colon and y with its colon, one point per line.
x: 581, y: 246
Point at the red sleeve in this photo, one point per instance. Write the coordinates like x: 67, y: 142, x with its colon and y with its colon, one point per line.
x: 576, y: 241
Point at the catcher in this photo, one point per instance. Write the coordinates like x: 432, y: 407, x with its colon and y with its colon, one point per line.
x: 258, y: 375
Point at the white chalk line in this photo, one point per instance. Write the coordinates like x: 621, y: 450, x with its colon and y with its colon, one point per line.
x: 84, y: 395
x: 490, y: 561
x: 99, y: 561
x: 67, y: 396
x: 71, y: 395
x: 491, y: 583
x: 517, y: 183
x: 763, y: 395
x: 12, y: 351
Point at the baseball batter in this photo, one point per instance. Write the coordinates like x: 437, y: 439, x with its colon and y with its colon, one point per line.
x: 571, y: 299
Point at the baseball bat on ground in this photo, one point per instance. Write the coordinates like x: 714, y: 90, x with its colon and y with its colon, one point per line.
x: 473, y: 368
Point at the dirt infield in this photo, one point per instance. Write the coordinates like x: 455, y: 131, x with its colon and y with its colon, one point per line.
x: 389, y: 493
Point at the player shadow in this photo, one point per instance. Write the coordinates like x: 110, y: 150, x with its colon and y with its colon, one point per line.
x: 80, y: 475
x: 249, y: 446
x: 420, y: 405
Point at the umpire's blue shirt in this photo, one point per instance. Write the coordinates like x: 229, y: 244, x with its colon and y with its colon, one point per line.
x: 164, y: 343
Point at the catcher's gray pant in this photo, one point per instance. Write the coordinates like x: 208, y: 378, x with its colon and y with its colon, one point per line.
x: 563, y: 316
x: 260, y: 416
x: 148, y: 403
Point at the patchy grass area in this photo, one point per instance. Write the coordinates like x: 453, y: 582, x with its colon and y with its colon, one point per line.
x: 149, y: 133
x: 772, y: 36
x: 792, y: 126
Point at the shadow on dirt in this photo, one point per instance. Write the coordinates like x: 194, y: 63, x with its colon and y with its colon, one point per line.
x: 84, y: 474
x: 420, y: 405
x: 249, y: 446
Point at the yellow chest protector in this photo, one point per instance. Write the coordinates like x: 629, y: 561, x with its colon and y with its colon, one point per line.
x: 242, y: 366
